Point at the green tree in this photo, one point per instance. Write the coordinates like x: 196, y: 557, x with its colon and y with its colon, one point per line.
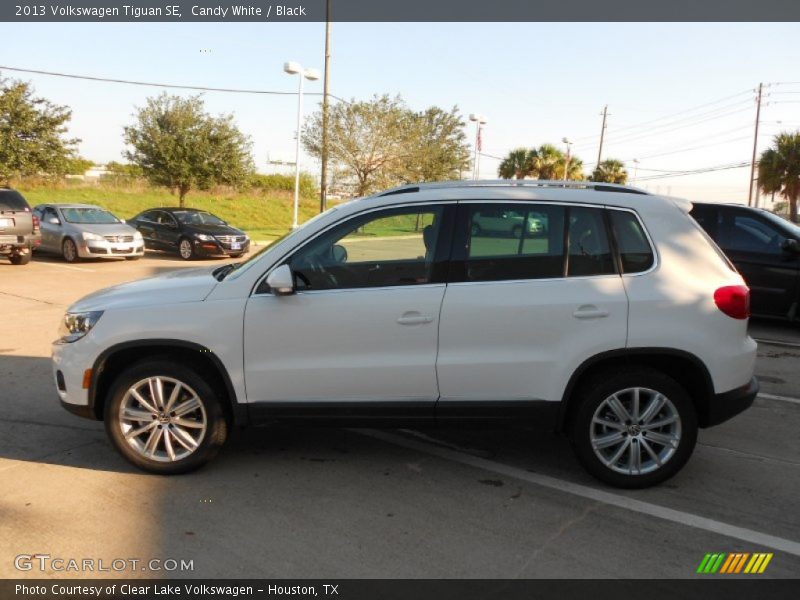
x: 124, y: 170
x: 381, y: 142
x: 438, y: 149
x: 610, y: 170
x: 180, y: 146
x: 32, y: 133
x: 779, y: 170
x: 77, y: 165
x: 518, y: 164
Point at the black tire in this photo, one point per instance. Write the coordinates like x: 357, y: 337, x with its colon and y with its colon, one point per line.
x: 516, y: 231
x: 595, y: 393
x: 216, y: 425
x: 20, y: 259
x: 186, y: 243
x: 69, y: 251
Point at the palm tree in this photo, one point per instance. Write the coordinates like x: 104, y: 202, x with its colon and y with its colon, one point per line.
x: 779, y: 170
x: 548, y: 163
x: 518, y: 164
x: 610, y: 170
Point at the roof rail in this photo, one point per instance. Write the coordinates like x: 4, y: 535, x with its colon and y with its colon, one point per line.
x: 541, y: 183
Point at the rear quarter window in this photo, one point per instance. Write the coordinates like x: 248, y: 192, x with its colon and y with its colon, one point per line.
x: 635, y: 252
x: 12, y: 200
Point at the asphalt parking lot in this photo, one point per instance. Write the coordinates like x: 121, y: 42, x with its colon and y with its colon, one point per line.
x: 361, y: 503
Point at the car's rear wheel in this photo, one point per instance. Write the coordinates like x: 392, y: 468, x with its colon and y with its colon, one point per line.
x: 164, y: 418
x: 635, y: 428
x: 69, y: 250
x: 20, y: 259
x: 186, y: 249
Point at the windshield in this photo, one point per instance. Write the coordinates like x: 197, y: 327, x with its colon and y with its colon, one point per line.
x: 241, y: 267
x: 197, y: 218
x: 88, y: 216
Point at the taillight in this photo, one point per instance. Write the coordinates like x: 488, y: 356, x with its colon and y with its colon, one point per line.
x: 35, y: 223
x: 733, y: 300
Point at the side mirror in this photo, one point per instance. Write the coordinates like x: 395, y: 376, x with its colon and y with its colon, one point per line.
x: 339, y: 253
x: 281, y: 281
x: 791, y: 245
x: 54, y: 221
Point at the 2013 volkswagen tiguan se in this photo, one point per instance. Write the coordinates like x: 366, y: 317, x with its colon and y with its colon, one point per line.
x: 615, y: 320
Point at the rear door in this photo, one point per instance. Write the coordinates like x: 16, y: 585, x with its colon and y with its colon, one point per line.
x: 523, y: 310
x: 754, y: 245
x: 146, y: 225
x: 51, y: 231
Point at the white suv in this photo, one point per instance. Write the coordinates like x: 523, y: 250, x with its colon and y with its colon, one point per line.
x: 614, y: 319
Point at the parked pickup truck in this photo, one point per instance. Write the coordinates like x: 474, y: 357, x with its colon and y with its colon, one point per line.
x: 19, y: 228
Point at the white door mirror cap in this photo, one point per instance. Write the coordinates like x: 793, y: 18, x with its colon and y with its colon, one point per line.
x: 281, y: 281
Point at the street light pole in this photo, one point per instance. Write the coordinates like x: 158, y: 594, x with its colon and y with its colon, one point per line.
x: 323, y: 185
x: 635, y: 168
x: 293, y: 68
x: 479, y: 120
x: 566, y: 164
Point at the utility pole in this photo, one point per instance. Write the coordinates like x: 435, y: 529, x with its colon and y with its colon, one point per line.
x: 323, y: 184
x: 602, y: 135
x: 755, y: 147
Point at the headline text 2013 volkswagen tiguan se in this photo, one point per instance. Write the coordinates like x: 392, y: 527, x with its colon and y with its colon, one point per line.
x: 615, y: 319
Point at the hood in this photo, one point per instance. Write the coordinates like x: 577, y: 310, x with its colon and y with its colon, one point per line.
x: 214, y: 229
x: 186, y: 285
x: 99, y: 229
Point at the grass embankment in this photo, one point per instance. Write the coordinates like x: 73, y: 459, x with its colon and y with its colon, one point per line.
x: 263, y: 215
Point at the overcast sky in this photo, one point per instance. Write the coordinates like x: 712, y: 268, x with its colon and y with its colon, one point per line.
x: 536, y: 83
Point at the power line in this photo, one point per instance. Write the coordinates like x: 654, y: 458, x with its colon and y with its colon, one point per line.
x: 164, y: 85
x: 695, y: 171
x: 671, y: 115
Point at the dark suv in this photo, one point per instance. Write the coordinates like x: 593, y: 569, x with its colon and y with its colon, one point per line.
x: 19, y: 228
x: 764, y: 248
x: 193, y: 233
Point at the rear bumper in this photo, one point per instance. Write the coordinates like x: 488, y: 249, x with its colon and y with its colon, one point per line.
x: 729, y: 404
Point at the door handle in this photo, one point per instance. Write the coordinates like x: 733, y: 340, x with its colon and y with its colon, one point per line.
x: 414, y: 319
x: 589, y: 311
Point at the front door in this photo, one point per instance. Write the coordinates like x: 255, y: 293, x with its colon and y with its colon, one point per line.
x: 362, y: 327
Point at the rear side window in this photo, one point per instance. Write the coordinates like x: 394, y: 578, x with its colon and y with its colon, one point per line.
x: 635, y: 252
x: 12, y: 200
x: 589, y: 249
x: 510, y: 242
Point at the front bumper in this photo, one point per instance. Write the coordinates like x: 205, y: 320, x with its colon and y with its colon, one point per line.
x: 217, y: 248
x: 722, y: 407
x: 106, y: 249
x: 69, y: 364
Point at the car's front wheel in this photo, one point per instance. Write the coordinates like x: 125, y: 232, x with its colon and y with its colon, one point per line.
x: 186, y: 249
x: 69, y: 250
x: 164, y: 418
x: 634, y: 428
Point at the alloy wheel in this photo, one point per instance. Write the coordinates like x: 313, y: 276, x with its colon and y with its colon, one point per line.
x: 635, y: 431
x: 162, y: 419
x: 185, y: 249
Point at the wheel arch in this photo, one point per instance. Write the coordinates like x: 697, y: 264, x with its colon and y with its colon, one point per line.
x: 685, y: 368
x: 114, y: 359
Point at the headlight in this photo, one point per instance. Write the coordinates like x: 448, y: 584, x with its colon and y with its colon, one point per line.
x: 87, y: 236
x: 203, y: 237
x: 76, y: 325
x: 137, y: 235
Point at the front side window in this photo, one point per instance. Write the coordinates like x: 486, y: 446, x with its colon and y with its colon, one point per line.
x: 385, y: 248
x: 745, y: 233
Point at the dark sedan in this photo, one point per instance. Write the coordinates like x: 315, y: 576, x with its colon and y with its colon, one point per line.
x: 190, y: 232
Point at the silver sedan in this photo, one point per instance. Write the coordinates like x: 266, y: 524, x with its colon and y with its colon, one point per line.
x: 84, y: 231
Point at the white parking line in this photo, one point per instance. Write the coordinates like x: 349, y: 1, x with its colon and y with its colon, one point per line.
x: 783, y: 343
x: 654, y: 510
x: 71, y: 267
x: 779, y: 398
